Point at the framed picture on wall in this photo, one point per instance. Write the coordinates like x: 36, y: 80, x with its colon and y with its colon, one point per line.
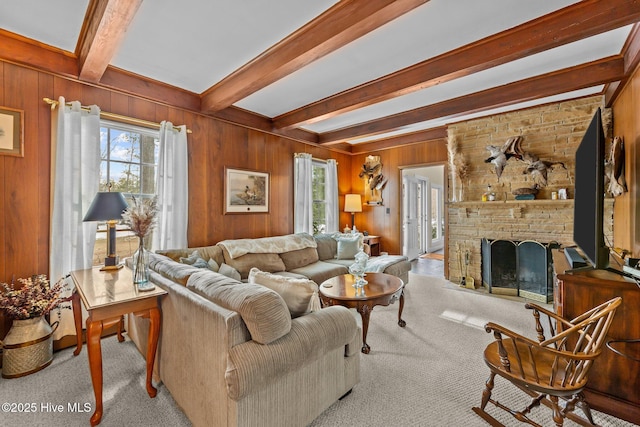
x: 245, y: 191
x: 11, y: 129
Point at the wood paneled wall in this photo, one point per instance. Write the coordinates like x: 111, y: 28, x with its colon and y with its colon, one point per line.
x: 25, y: 182
x: 626, y: 123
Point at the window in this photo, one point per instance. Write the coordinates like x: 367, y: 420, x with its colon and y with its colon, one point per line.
x: 129, y: 160
x: 318, y: 185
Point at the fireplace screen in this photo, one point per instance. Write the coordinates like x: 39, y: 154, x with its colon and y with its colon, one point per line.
x: 518, y: 268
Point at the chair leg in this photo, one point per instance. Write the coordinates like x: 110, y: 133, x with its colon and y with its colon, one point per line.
x: 582, y: 404
x: 557, y: 414
x: 486, y: 393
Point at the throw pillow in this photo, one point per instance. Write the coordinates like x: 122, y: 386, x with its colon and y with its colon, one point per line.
x: 229, y: 271
x: 263, y: 311
x: 191, y: 259
x: 213, y: 265
x: 300, y: 295
x: 348, y: 245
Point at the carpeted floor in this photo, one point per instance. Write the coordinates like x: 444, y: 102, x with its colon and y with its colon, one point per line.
x: 428, y: 374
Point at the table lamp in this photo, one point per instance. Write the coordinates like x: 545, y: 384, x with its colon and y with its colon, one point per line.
x: 352, y: 204
x: 108, y: 206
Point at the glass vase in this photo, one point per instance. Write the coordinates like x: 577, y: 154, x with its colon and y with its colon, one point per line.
x: 141, y: 268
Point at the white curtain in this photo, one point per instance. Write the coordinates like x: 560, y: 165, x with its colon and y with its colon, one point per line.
x: 172, y: 187
x: 75, y: 175
x: 302, y: 194
x: 331, y: 197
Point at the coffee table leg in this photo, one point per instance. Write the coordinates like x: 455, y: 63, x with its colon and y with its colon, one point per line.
x: 365, y: 312
x: 401, y: 322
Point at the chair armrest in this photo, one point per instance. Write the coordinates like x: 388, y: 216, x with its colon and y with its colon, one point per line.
x: 501, y: 330
x: 498, y: 331
x: 549, y: 313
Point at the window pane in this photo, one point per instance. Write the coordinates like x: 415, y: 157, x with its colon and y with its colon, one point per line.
x: 124, y: 146
x: 129, y: 159
x: 318, y: 183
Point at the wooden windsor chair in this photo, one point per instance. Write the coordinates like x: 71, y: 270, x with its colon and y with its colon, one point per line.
x: 552, y: 369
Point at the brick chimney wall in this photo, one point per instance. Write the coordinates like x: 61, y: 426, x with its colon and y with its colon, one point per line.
x: 552, y: 132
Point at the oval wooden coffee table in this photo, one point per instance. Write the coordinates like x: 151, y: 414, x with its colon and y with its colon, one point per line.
x: 382, y: 289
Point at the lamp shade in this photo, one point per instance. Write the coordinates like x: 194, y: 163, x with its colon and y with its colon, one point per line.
x: 106, y: 206
x: 352, y: 203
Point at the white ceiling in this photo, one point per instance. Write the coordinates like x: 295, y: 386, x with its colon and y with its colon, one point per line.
x: 193, y: 44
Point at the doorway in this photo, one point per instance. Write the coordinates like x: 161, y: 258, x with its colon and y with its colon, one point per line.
x: 423, y: 219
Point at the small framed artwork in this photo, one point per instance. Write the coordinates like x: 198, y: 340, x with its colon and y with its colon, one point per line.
x: 11, y: 139
x: 245, y: 191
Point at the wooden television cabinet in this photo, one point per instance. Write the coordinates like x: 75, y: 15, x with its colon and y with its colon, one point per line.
x: 614, y: 379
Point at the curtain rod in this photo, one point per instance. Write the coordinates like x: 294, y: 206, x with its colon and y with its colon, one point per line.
x: 116, y: 117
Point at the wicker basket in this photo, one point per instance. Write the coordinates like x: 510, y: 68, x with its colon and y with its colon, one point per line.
x: 27, y: 348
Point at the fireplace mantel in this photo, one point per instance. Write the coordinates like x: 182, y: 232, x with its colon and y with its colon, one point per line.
x: 501, y: 204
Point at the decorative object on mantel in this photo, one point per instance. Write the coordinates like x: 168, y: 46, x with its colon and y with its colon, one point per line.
x: 538, y: 169
x: 375, y: 181
x: 489, y: 195
x: 526, y: 193
x: 141, y: 219
x: 459, y: 168
x: 28, y: 346
x: 614, y: 168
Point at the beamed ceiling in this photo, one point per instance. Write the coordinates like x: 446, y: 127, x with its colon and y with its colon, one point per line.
x: 356, y: 75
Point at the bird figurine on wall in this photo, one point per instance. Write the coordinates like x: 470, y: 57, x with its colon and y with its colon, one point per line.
x: 499, y: 155
x: 370, y: 170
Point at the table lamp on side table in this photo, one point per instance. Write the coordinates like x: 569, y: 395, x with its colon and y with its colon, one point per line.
x: 352, y: 204
x: 108, y: 206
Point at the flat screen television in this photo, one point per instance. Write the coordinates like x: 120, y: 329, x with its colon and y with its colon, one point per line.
x: 588, y: 231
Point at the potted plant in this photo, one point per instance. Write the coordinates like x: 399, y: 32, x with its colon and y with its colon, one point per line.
x: 28, y: 346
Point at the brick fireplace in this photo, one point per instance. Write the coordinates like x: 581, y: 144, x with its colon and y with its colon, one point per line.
x: 553, y: 133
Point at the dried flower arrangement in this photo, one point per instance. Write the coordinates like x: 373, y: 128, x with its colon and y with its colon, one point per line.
x: 458, y: 165
x: 141, y: 216
x: 35, y: 298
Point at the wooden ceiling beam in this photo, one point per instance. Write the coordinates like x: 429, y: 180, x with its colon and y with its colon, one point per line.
x: 569, y: 79
x: 341, y: 24
x: 21, y: 50
x: 631, y: 54
x: 572, y: 23
x: 105, y: 25
x: 418, y: 137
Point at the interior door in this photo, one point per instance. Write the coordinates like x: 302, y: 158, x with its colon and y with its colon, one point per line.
x: 435, y: 225
x: 410, y: 218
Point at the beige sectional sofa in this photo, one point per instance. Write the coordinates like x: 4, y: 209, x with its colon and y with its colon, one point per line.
x: 232, y: 353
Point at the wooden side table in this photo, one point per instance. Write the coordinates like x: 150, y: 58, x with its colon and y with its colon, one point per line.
x: 374, y: 244
x: 107, y: 296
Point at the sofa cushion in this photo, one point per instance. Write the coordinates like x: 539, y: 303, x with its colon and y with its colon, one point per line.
x: 175, y: 271
x: 301, y: 295
x: 327, y: 246
x: 263, y: 311
x: 244, y: 263
x: 229, y: 271
x: 348, y: 245
x: 299, y: 258
x: 320, y: 271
